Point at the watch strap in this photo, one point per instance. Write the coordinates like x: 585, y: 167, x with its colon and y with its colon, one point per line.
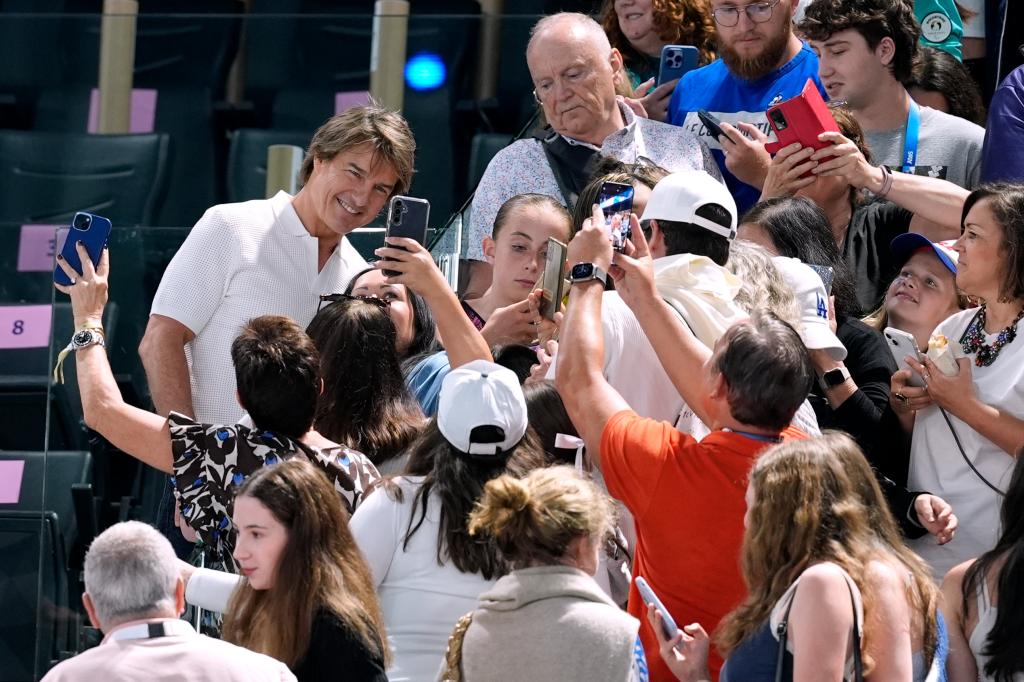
x: 98, y: 339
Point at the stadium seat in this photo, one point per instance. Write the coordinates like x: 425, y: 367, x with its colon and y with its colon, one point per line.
x: 184, y: 49
x: 48, y: 177
x: 247, y: 159
x: 36, y: 534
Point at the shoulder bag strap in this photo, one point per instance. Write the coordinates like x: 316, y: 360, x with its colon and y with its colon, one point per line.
x: 782, y: 634
x: 569, y: 164
x: 858, y: 664
x: 453, y: 654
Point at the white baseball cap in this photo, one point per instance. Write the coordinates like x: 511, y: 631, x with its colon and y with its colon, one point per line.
x: 812, y: 299
x: 482, y: 394
x: 677, y: 197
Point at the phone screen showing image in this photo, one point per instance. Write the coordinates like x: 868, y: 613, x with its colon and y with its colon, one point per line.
x: 616, y: 199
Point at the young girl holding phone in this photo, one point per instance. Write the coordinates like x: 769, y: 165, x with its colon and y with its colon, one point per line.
x: 508, y: 311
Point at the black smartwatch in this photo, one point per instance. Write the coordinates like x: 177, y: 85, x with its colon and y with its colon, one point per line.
x: 584, y: 272
x: 835, y: 377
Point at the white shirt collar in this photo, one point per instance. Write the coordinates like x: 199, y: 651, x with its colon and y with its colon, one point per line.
x: 140, y: 629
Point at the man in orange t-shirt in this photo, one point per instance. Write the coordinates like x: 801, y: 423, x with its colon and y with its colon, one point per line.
x: 686, y: 497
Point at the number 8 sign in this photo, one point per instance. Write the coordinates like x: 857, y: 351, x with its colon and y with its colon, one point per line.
x: 25, y: 326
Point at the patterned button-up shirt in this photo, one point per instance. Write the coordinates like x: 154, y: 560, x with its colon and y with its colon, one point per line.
x: 522, y: 167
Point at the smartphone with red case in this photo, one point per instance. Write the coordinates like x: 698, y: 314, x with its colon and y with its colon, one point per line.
x: 801, y: 119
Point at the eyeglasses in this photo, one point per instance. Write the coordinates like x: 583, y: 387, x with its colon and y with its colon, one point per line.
x: 757, y: 12
x: 334, y: 298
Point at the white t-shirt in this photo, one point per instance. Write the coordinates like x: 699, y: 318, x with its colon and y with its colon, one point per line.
x: 937, y: 466
x: 420, y: 599
x: 241, y: 261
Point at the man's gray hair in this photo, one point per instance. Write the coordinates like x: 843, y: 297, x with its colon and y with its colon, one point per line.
x: 564, y: 21
x: 130, y: 573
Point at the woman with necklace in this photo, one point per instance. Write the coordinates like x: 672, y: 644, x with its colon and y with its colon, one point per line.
x: 968, y: 426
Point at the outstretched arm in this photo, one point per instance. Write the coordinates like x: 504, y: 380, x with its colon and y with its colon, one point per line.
x: 589, y: 399
x: 418, y: 271
x: 141, y: 434
x: 936, y: 204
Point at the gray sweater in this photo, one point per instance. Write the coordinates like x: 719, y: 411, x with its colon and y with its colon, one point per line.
x: 548, y: 623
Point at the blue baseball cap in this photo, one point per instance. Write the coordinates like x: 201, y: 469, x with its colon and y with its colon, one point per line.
x: 906, y: 245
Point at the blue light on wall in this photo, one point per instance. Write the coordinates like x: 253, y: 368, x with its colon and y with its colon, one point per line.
x: 425, y: 71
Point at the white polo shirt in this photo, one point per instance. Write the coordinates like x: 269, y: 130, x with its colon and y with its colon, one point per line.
x: 241, y: 261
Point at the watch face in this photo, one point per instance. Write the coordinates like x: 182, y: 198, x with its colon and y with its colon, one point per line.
x: 582, y: 271
x: 834, y: 377
x: 82, y: 337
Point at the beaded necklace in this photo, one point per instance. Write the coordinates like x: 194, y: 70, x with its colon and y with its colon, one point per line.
x: 974, y: 339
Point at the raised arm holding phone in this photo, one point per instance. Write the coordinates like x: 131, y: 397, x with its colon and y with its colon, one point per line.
x: 662, y: 475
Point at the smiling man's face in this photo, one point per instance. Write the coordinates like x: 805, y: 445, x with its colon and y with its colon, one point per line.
x: 349, y: 190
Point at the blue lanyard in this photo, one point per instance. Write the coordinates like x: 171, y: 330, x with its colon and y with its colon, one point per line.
x: 910, y: 138
x: 756, y: 436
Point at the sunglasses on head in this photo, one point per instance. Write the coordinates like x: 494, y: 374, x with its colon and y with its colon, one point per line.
x: 334, y: 298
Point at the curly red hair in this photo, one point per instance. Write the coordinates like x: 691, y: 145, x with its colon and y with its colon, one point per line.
x: 677, y: 22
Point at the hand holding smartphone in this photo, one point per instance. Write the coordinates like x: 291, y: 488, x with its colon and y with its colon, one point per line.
x: 677, y: 61
x: 616, y: 200
x: 901, y: 344
x: 668, y: 624
x: 801, y: 119
x: 91, y: 230
x: 712, y: 124
x: 407, y: 217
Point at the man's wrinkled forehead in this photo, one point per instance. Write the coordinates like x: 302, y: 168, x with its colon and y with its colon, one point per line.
x: 571, y: 34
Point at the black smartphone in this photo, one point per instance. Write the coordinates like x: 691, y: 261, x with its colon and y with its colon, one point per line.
x: 616, y: 199
x: 713, y: 124
x: 676, y: 61
x: 553, y: 280
x: 91, y: 230
x: 407, y: 217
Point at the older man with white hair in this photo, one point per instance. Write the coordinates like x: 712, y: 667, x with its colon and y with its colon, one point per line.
x: 574, y: 71
x: 134, y: 594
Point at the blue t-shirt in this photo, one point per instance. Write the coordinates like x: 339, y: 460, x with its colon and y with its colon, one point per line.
x: 425, y: 379
x: 733, y: 100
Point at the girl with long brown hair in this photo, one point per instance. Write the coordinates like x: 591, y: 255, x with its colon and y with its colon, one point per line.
x: 822, y: 582
x: 308, y: 598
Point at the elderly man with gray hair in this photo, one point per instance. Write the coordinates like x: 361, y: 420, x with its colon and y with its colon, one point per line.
x: 134, y: 594
x: 574, y: 71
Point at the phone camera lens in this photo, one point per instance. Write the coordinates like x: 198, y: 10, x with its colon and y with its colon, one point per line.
x: 778, y: 119
x: 82, y: 221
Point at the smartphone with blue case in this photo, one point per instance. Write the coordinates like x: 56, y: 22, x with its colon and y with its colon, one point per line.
x: 676, y: 61
x: 91, y: 230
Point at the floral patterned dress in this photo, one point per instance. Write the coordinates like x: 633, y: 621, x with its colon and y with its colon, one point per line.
x: 211, y: 461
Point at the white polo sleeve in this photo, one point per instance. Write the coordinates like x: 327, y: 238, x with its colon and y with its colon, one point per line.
x: 197, y: 278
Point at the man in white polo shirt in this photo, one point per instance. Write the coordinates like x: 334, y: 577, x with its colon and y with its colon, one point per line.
x: 268, y: 257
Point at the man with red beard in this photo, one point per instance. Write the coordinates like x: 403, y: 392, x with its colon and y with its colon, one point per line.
x: 762, y: 63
